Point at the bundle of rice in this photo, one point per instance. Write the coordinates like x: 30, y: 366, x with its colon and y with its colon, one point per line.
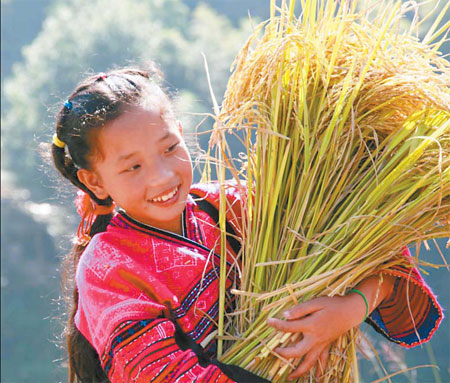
x: 345, y: 127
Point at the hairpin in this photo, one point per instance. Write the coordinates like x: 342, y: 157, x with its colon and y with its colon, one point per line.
x: 68, y: 105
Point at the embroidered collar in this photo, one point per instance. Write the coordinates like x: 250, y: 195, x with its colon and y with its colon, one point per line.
x: 190, y: 233
x: 189, y: 224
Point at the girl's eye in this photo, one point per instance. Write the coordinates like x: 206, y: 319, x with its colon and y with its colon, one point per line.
x: 132, y: 168
x: 171, y: 148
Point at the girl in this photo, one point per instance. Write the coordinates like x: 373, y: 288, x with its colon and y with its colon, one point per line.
x: 145, y: 295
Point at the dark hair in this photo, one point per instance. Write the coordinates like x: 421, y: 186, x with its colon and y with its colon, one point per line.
x: 97, y: 100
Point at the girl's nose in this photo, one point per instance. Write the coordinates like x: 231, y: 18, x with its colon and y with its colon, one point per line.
x: 160, y: 174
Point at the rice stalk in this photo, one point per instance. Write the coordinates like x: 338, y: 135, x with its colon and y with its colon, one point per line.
x: 344, y: 122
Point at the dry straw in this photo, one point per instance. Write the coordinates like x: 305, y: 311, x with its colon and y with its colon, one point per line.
x: 345, y: 131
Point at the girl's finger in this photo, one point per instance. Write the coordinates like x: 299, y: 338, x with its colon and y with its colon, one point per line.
x: 295, y: 351
x: 303, y: 309
x: 322, y: 362
x: 287, y: 326
x: 306, y: 365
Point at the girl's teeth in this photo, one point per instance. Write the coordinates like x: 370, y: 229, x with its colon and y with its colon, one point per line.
x: 165, y: 197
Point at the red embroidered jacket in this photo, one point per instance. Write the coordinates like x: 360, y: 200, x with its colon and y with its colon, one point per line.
x: 141, y: 287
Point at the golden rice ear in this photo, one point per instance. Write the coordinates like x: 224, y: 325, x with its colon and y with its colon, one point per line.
x: 344, y: 122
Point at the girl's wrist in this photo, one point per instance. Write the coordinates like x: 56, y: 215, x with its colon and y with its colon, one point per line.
x: 368, y: 294
x: 361, y: 294
x: 358, y: 307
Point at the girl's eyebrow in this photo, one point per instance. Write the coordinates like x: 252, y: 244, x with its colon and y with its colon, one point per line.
x: 126, y: 156
x: 129, y: 155
x: 167, y: 135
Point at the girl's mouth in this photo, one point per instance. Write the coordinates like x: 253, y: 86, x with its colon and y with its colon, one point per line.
x: 167, y: 198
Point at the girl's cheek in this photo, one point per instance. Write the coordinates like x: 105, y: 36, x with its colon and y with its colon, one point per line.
x: 186, y: 159
x: 132, y: 180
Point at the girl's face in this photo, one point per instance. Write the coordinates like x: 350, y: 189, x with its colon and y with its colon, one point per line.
x: 144, y: 166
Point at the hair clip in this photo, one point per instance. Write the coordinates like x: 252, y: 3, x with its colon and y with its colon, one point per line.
x: 57, y: 142
x: 68, y: 105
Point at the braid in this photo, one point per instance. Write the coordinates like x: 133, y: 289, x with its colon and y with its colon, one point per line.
x: 96, y: 101
x: 84, y: 362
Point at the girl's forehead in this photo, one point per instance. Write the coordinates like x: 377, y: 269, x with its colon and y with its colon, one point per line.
x: 154, y: 118
x: 137, y: 125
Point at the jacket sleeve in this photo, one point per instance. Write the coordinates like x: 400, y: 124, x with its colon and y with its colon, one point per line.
x: 411, y: 315
x: 125, y: 315
x: 156, y: 351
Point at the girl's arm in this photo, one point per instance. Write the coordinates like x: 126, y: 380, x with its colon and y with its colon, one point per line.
x: 324, y: 319
x: 401, y: 306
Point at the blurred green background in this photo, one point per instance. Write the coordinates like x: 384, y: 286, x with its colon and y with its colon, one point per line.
x: 47, y: 46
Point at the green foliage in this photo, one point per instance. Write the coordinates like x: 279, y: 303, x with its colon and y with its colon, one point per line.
x: 19, y: 28
x: 91, y: 36
x: 235, y: 10
x: 216, y: 39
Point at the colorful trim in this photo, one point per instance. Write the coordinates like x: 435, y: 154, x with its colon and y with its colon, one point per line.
x: 428, y: 317
x: 124, y: 333
x: 124, y: 221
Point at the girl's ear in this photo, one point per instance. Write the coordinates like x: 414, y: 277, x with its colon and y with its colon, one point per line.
x: 93, y: 182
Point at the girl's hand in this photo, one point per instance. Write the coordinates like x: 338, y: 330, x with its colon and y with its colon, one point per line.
x: 321, y: 321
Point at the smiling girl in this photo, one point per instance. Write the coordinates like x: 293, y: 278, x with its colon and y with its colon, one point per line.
x: 144, y: 301
x: 144, y: 166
